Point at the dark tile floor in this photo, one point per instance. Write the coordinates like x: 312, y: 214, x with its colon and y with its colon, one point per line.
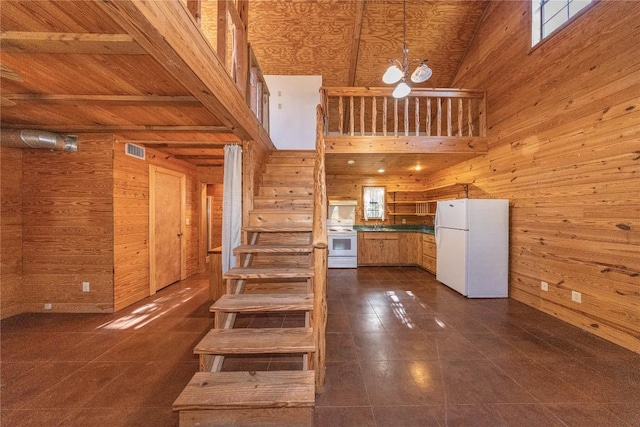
x: 402, y: 350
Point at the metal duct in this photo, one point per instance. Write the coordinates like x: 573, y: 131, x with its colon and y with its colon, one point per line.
x: 38, y: 139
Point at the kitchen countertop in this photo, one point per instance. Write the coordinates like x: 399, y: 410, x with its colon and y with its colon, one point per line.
x: 404, y: 228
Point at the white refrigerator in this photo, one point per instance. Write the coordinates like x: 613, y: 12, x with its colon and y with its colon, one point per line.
x: 472, y: 240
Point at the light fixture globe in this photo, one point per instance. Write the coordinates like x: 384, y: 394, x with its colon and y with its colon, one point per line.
x: 421, y: 74
x: 392, y: 75
x: 401, y: 90
x: 399, y: 70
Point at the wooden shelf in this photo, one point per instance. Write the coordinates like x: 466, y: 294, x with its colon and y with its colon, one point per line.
x: 411, y: 214
x: 410, y: 202
x: 440, y: 187
x: 423, y: 208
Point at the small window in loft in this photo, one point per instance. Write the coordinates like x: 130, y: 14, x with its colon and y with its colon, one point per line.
x: 549, y: 15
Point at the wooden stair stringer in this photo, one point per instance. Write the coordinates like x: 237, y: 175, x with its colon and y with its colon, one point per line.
x: 284, y: 216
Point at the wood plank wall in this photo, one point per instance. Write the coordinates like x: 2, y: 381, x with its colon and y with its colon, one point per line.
x: 68, y: 218
x: 131, y: 219
x: 349, y: 187
x: 11, y: 295
x: 68, y: 227
x: 564, y: 137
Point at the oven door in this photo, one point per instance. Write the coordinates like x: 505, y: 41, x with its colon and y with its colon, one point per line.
x: 343, y: 244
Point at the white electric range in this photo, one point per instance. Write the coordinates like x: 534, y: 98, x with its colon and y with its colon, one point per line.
x: 342, y: 238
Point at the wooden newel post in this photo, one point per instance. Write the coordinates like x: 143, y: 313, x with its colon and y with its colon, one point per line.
x: 319, y: 317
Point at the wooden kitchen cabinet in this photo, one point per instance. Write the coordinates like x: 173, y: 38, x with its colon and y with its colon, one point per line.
x: 378, y: 248
x: 428, y: 261
x: 389, y: 248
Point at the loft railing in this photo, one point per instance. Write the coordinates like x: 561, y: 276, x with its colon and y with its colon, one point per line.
x: 351, y: 111
x: 226, y: 27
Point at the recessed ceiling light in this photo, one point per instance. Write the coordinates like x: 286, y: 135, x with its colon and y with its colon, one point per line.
x: 380, y: 170
x: 350, y: 162
x: 418, y: 168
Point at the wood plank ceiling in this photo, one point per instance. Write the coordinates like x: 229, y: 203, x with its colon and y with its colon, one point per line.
x: 85, y: 66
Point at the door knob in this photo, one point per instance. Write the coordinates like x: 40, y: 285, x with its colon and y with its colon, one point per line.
x: 179, y: 234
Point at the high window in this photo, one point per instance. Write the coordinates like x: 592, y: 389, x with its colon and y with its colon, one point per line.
x: 550, y: 15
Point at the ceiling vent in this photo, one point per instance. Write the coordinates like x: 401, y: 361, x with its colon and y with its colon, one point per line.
x: 134, y: 150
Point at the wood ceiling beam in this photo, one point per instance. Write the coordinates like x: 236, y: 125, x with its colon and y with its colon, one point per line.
x: 83, y: 43
x: 213, y: 164
x: 404, y: 144
x: 197, y: 157
x: 119, y: 128
x: 186, y: 145
x: 101, y: 99
x: 166, y: 32
x: 355, y: 43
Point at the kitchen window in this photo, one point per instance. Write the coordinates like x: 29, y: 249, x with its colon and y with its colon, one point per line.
x: 373, y: 203
x: 550, y: 15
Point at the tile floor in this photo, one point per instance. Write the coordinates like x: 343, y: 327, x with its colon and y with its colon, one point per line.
x: 402, y: 350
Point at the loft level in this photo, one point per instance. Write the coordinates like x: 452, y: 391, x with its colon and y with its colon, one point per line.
x: 458, y: 113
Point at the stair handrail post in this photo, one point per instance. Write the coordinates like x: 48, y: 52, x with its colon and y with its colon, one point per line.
x: 319, y: 236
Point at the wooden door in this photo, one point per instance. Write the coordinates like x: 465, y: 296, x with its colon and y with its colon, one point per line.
x: 166, y: 212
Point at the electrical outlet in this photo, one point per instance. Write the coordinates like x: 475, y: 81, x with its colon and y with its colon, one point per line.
x: 576, y: 297
x: 47, y: 306
x: 544, y: 286
x: 85, y: 286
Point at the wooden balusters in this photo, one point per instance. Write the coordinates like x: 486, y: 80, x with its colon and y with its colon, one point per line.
x: 439, y: 121
x: 460, y: 115
x: 395, y: 117
x: 470, y: 119
x: 417, y: 115
x: 428, y: 116
x: 352, y: 125
x: 448, y: 116
x: 449, y: 120
x: 406, y: 116
x: 384, y: 117
x: 362, y: 115
x: 374, y: 116
x: 340, y: 116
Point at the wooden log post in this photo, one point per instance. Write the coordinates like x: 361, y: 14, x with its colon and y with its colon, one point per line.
x: 319, y: 315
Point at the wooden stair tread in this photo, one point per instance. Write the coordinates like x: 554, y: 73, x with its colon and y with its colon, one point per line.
x: 256, y: 341
x: 284, y: 249
x: 291, y: 197
x: 227, y: 390
x: 282, y: 229
x: 282, y: 211
x: 269, y: 273
x: 253, y: 303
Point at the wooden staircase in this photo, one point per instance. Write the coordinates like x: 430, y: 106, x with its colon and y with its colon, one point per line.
x: 274, y: 273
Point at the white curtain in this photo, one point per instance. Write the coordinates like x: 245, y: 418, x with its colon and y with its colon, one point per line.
x: 373, y: 201
x: 231, y: 204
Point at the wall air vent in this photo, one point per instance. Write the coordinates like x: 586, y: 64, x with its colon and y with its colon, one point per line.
x: 134, y: 151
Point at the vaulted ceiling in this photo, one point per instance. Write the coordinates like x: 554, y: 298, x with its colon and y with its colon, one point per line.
x: 349, y: 42
x: 115, y: 66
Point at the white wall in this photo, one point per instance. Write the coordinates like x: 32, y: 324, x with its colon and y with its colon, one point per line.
x: 292, y: 111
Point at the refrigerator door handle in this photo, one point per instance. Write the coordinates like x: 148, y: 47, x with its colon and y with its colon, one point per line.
x: 436, y: 225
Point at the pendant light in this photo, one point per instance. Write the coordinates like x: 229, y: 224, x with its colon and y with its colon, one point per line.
x: 399, y: 71
x: 401, y: 90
